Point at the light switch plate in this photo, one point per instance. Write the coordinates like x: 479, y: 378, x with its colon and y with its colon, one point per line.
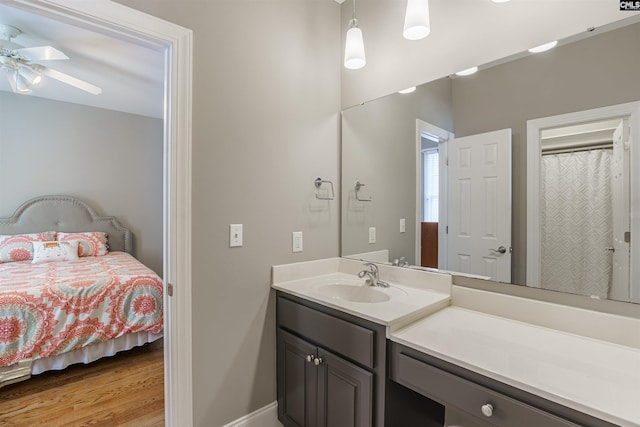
x: 297, y: 241
x: 235, y: 235
x: 403, y: 225
x: 372, y: 234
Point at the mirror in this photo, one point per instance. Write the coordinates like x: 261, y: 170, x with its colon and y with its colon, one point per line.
x: 387, y: 141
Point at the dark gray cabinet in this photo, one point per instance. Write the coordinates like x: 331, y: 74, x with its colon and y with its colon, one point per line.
x: 297, y: 394
x: 320, y: 388
x: 331, y: 367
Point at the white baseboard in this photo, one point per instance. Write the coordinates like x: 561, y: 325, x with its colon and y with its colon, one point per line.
x: 263, y: 417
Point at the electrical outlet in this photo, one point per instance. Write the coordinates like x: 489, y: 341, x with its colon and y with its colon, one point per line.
x: 403, y: 225
x: 297, y: 241
x: 372, y: 234
x: 235, y: 235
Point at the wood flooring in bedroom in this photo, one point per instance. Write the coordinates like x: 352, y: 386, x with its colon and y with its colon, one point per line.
x: 123, y: 390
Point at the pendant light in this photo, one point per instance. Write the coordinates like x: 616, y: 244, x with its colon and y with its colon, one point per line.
x: 416, y: 20
x: 354, y: 47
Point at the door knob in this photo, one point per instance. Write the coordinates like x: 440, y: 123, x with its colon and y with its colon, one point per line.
x: 500, y: 249
x: 317, y: 361
x: 309, y: 358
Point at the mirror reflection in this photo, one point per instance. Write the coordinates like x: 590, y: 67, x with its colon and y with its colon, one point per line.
x: 521, y: 173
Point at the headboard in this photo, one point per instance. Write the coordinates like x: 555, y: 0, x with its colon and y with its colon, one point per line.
x: 67, y: 214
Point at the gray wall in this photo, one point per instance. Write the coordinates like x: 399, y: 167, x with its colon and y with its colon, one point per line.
x: 265, y: 124
x: 587, y: 74
x: 111, y: 160
x: 379, y: 150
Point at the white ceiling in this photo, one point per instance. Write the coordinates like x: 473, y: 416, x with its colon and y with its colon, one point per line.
x: 131, y: 76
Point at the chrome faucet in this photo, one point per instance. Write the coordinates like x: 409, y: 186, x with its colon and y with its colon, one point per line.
x: 400, y: 262
x: 372, y: 274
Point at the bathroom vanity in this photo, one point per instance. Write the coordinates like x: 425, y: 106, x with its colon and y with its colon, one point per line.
x: 329, y: 365
x: 407, y: 354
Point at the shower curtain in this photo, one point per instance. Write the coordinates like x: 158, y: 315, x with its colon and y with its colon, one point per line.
x: 577, y: 222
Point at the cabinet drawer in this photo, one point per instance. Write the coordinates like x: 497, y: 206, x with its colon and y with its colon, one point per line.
x: 452, y: 390
x: 346, y: 339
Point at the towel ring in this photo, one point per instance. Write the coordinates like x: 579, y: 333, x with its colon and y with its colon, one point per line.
x: 318, y: 183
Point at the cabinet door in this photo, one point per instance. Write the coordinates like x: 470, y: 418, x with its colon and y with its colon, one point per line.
x: 345, y: 393
x: 297, y: 382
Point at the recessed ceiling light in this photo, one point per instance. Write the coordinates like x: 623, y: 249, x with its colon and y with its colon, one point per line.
x: 500, y: 1
x: 407, y: 90
x: 467, y: 72
x: 544, y: 47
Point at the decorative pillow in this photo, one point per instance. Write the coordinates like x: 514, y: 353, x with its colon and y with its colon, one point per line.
x: 54, y: 251
x: 90, y: 243
x: 20, y: 246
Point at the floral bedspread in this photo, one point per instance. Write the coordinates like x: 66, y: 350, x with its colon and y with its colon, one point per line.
x: 51, y: 308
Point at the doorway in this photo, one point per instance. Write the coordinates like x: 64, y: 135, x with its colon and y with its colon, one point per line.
x: 431, y: 190
x: 585, y: 186
x: 582, y: 167
x: 176, y: 43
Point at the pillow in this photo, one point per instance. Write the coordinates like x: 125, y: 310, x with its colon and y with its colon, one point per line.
x: 20, y: 247
x: 90, y: 243
x: 54, y: 251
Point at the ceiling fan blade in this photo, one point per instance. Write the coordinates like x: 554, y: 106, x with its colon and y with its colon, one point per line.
x: 66, y: 78
x: 41, y: 53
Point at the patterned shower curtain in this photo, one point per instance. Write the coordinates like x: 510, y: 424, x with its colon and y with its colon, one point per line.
x: 577, y: 222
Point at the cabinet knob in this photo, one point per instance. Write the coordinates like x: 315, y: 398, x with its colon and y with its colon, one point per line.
x: 309, y: 358
x: 317, y: 361
x: 487, y: 409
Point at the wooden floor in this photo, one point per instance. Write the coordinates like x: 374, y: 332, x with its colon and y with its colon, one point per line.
x: 123, y: 390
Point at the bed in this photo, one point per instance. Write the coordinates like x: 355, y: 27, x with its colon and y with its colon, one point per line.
x: 74, y: 309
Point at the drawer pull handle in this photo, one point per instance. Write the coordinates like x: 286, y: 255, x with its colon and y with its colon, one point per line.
x: 487, y: 409
x: 309, y: 358
x: 317, y: 361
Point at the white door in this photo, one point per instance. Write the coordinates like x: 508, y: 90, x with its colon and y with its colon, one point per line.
x: 479, y: 198
x: 620, y: 189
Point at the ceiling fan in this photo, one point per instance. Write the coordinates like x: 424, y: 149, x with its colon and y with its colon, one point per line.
x: 23, y: 74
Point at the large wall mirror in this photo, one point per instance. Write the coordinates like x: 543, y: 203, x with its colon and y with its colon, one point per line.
x: 525, y: 172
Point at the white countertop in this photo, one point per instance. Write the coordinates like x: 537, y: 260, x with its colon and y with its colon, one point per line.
x: 596, y: 377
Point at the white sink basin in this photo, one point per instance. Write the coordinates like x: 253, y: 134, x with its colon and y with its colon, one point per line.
x: 393, y: 307
x: 353, y: 293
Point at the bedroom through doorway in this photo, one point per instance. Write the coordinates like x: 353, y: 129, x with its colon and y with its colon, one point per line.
x: 171, y: 165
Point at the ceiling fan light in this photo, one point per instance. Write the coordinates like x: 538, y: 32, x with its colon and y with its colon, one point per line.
x: 22, y: 85
x: 32, y: 77
x: 354, y: 57
x: 416, y: 20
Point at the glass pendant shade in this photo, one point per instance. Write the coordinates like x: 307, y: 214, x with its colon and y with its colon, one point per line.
x: 354, y: 48
x: 416, y: 20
